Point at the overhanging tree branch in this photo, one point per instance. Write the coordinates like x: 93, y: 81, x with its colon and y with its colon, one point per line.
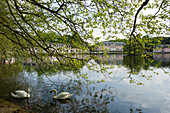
x: 134, y: 24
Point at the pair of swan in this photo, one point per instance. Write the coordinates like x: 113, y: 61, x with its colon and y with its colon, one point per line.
x: 23, y: 94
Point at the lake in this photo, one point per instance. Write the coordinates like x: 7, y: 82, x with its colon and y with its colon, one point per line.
x: 134, y: 85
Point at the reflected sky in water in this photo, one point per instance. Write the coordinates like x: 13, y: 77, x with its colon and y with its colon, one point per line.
x: 115, y: 95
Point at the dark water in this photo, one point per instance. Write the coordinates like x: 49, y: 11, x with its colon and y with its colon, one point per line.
x: 135, y: 86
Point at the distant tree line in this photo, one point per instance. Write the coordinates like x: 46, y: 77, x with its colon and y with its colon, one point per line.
x: 166, y: 40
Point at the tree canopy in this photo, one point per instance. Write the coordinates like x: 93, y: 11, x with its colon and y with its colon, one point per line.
x: 30, y: 24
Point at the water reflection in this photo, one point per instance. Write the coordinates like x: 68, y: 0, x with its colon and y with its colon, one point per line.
x: 110, y: 59
x: 83, y: 100
x: 135, y: 63
x: 163, y: 58
x: 111, y: 96
x: 86, y: 98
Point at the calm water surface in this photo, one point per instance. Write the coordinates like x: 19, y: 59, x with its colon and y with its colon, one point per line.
x: 144, y: 91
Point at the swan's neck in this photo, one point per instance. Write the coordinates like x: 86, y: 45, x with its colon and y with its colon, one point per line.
x: 54, y: 93
x: 28, y: 93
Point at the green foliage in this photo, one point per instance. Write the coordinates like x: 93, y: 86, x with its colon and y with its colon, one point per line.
x: 151, y: 42
x: 133, y: 47
x: 43, y: 30
x: 43, y: 21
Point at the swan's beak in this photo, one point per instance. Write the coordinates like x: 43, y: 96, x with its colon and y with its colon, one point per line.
x: 50, y: 92
x: 28, y: 91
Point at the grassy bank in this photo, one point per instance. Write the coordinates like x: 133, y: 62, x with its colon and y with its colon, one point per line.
x: 7, y: 107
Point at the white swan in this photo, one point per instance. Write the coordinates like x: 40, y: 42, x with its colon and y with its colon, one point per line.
x: 62, y: 95
x: 21, y: 94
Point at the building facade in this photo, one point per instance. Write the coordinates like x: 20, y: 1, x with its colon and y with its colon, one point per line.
x: 162, y: 48
x: 110, y: 46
